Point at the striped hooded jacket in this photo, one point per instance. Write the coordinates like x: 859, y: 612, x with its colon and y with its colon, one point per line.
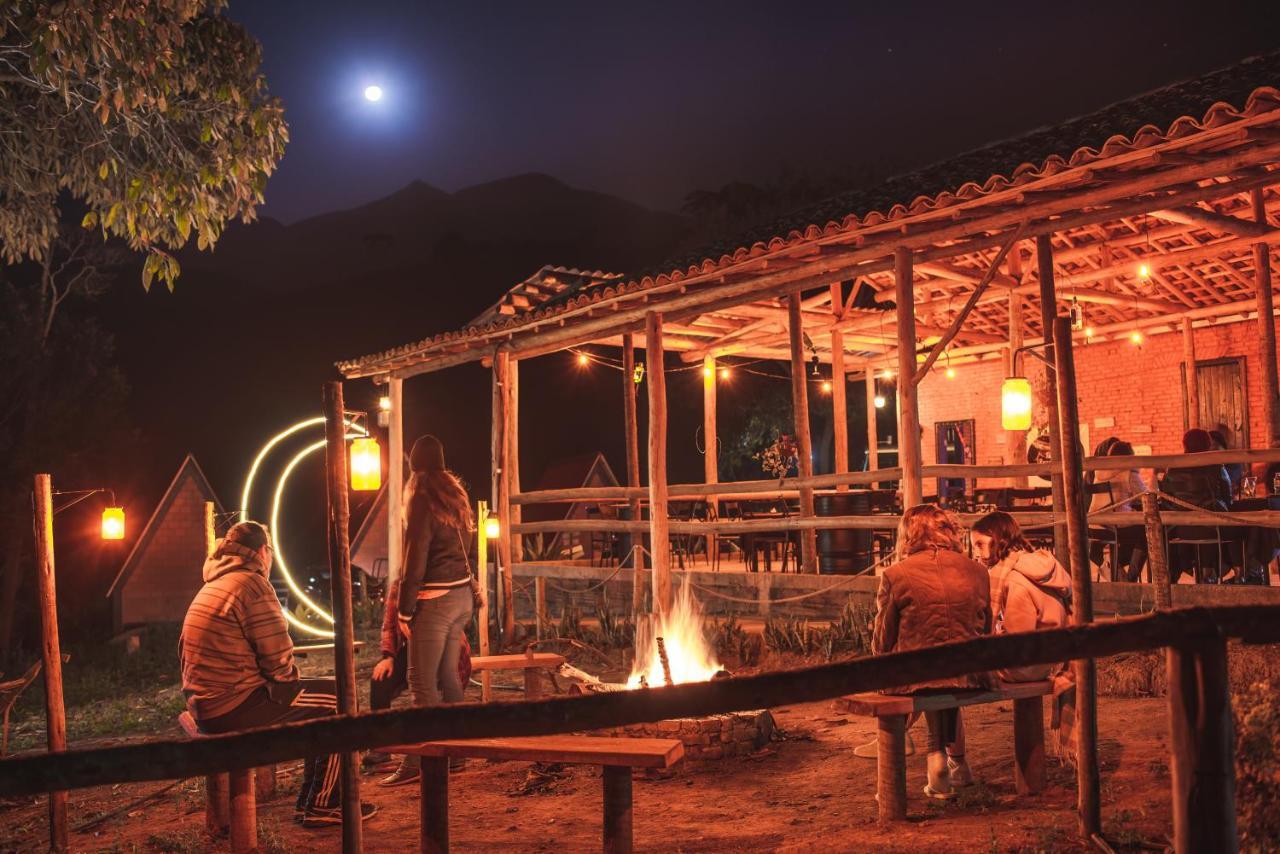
x: 234, y: 638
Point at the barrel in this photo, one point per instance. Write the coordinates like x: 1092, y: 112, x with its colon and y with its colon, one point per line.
x: 843, y: 551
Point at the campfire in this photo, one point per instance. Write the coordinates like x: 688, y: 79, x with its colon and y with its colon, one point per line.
x: 672, y: 650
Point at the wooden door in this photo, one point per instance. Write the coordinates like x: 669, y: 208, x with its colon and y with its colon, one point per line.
x: 1223, y: 399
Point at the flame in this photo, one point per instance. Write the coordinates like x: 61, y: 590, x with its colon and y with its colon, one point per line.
x: 688, y: 653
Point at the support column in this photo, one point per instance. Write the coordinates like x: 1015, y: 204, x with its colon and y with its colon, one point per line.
x: 1016, y: 440
x: 804, y: 442
x: 1071, y: 464
x: 395, y: 479
x: 908, y: 404
x: 1266, y: 328
x: 506, y: 422
x: 839, y: 397
x: 339, y: 517
x: 1048, y: 311
x: 51, y: 651
x: 710, y: 439
x: 659, y: 540
x: 873, y: 438
x: 1192, y: 415
x: 632, y: 432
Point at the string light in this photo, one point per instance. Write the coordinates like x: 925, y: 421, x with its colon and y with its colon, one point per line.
x: 583, y: 359
x: 724, y: 373
x: 1136, y: 336
x: 706, y: 373
x: 879, y: 401
x: 951, y: 372
x: 887, y: 375
x: 1088, y: 333
x: 826, y: 386
x: 1144, y: 270
x: 384, y: 403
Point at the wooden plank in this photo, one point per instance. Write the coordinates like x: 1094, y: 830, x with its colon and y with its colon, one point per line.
x: 804, y: 441
x: 875, y: 704
x: 908, y: 397
x: 1266, y: 326
x: 659, y: 540
x: 169, y: 759
x: 583, y: 749
x: 517, y: 661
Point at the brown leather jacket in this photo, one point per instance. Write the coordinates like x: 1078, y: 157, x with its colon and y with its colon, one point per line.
x: 932, y: 597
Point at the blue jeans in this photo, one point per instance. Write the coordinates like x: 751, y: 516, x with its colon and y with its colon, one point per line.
x: 436, y: 645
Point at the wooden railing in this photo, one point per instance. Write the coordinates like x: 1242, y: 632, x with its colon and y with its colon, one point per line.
x: 866, y: 478
x: 1200, y: 712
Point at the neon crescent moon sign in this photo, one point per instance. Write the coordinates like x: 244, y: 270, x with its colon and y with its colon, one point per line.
x: 280, y: 563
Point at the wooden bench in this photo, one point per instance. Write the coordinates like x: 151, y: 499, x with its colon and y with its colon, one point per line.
x: 231, y: 804
x: 532, y: 663
x: 617, y: 756
x: 892, y: 710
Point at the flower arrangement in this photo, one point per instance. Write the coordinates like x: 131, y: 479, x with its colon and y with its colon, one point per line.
x: 780, y: 457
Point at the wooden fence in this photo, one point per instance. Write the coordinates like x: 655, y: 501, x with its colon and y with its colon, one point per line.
x: 1200, y: 712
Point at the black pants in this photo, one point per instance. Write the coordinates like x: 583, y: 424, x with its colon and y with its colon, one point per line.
x: 383, y: 691
x: 300, y: 701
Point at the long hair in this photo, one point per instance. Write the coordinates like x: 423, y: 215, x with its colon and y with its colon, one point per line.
x: 441, y: 495
x: 1005, y: 533
x: 927, y: 526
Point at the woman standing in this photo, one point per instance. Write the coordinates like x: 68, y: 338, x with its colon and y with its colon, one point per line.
x: 934, y: 594
x: 435, y: 600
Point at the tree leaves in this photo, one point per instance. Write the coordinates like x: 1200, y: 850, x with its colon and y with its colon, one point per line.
x: 154, y: 115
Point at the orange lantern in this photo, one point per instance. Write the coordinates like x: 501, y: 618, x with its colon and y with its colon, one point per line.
x: 113, y: 523
x: 492, y: 528
x: 1015, y: 404
x: 366, y: 465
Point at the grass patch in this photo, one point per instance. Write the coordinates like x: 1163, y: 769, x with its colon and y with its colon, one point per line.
x: 185, y: 841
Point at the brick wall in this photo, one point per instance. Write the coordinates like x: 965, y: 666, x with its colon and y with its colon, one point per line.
x: 167, y: 575
x: 1133, y: 392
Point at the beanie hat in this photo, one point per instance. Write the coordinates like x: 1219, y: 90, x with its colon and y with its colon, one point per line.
x: 427, y: 454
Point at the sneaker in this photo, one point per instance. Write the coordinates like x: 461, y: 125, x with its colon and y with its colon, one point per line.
x: 402, y: 776
x: 961, y: 776
x: 326, y: 816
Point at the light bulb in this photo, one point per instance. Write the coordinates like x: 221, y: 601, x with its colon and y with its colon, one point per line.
x: 706, y: 373
x: 582, y: 359
x: 826, y: 386
x: 879, y: 401
x: 384, y: 403
x: 1144, y: 270
x: 724, y: 373
x: 1135, y: 336
x: 951, y: 373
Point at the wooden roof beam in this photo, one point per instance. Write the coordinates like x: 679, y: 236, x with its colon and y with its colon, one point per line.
x: 943, y: 270
x: 1213, y: 221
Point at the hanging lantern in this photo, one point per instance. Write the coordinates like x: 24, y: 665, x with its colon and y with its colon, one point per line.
x: 826, y: 386
x: 1015, y: 404
x: 1077, y: 315
x: 113, y: 523
x: 366, y: 465
x: 638, y: 373
x: 492, y: 528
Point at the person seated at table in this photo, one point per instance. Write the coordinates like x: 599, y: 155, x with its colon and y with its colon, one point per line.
x: 1206, y: 486
x: 1235, y: 471
x: 934, y: 594
x: 1117, y: 490
x: 238, y: 670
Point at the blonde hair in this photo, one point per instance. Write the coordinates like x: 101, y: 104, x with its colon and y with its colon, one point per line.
x: 927, y: 526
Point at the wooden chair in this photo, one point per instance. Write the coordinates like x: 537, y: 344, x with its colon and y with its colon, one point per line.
x: 10, y: 692
x: 617, y: 756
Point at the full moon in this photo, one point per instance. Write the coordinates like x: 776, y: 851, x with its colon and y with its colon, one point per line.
x: 373, y: 93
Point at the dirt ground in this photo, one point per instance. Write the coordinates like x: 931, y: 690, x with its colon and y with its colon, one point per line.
x: 806, y: 791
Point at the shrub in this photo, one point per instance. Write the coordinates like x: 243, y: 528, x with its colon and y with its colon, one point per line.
x: 1257, y: 717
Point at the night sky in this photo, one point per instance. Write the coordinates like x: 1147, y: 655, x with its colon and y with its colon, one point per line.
x: 649, y: 101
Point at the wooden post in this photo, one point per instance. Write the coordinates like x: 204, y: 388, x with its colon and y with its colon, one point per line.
x: 395, y: 479
x: 210, y: 529
x: 1016, y: 440
x: 1028, y: 745
x: 1192, y: 418
x: 482, y: 576
x: 804, y: 442
x: 217, y: 810
x: 1266, y: 327
x: 710, y: 438
x: 339, y: 518
x: 433, y: 805
x: 1156, y: 558
x: 617, y: 809
x: 503, y: 446
x: 659, y: 545
x: 908, y: 404
x: 539, y: 606
x: 1203, y: 772
x: 891, y: 768
x: 1073, y: 493
x: 1048, y: 311
x: 873, y: 438
x: 244, y: 812
x: 839, y: 393
x: 632, y: 432
x: 51, y: 651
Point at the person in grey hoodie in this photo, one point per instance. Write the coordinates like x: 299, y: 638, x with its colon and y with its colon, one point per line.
x: 238, y: 670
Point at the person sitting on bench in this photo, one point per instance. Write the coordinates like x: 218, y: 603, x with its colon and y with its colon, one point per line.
x: 934, y: 594
x: 238, y: 670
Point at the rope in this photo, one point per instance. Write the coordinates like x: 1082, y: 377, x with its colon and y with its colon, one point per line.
x: 589, y: 589
x: 796, y: 598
